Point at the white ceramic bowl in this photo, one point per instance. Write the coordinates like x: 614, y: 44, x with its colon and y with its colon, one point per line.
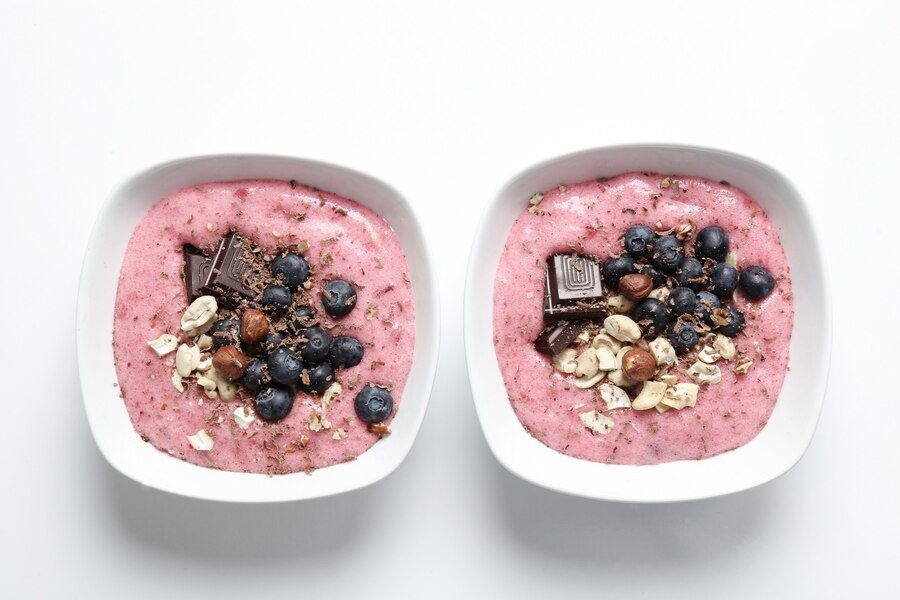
x: 782, y: 441
x: 106, y: 412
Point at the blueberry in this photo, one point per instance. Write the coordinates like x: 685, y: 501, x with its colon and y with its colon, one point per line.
x: 225, y: 332
x: 320, y: 377
x: 651, y: 315
x: 682, y: 301
x: 707, y: 302
x: 276, y: 298
x: 650, y: 271
x: 668, y: 254
x: 617, y: 267
x: 346, y: 351
x: 639, y: 241
x: 723, y: 280
x: 255, y: 375
x: 274, y: 403
x: 691, y: 274
x: 712, y: 243
x: 757, y: 282
x: 303, y: 317
x: 316, y: 346
x: 735, y: 323
x: 271, y: 342
x: 292, y: 267
x: 338, y: 297
x: 373, y: 404
x: 683, y: 336
x: 285, y: 366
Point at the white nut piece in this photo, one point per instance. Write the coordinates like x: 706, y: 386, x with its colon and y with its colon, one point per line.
x: 176, y: 381
x: 209, y: 386
x: 604, y: 339
x: 205, y: 363
x: 668, y: 379
x: 614, y: 396
x: 584, y: 383
x: 187, y: 358
x: 651, y: 394
x: 682, y: 395
x: 199, y: 316
x: 226, y: 389
x: 584, y: 337
x: 164, y: 344
x: 597, y: 422
x: 662, y: 407
x: 606, y: 359
x: 244, y: 416
x: 708, y: 354
x: 731, y: 258
x: 704, y: 373
x: 619, y: 304
x: 622, y: 328
x: 661, y: 294
x: 618, y: 376
x: 587, y: 365
x: 204, y: 342
x: 663, y: 351
x: 201, y: 441
x: 724, y: 346
x: 331, y: 393
x: 565, y: 361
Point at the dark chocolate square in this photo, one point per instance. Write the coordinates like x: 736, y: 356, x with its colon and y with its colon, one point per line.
x: 196, y: 271
x: 229, y: 267
x: 573, y: 289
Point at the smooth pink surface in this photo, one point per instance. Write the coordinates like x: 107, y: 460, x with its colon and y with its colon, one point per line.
x: 590, y: 218
x: 151, y: 299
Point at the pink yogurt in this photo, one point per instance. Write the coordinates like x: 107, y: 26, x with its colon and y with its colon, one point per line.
x: 151, y: 300
x: 590, y: 218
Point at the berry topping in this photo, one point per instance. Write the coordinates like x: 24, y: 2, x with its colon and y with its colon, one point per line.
x: 733, y: 320
x: 274, y: 403
x: 373, y: 404
x: 255, y: 375
x: 317, y: 379
x: 682, y: 301
x: 707, y: 302
x: 271, y: 342
x: 285, y: 366
x: 683, y: 336
x: 338, y: 297
x: 225, y: 332
x: 712, y: 243
x: 277, y: 298
x: 691, y: 274
x: 651, y: 315
x: 346, y: 351
x: 668, y: 254
x: 615, y: 268
x: 639, y: 241
x: 316, y: 346
x: 658, y: 278
x: 723, y: 280
x: 292, y: 268
x: 303, y: 317
x: 757, y: 282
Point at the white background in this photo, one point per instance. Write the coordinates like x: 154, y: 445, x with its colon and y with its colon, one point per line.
x: 445, y: 101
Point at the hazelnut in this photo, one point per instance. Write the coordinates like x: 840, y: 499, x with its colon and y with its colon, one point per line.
x: 639, y: 364
x: 636, y: 286
x: 254, y: 326
x: 229, y: 362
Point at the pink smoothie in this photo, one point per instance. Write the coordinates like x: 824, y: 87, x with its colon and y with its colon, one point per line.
x: 590, y: 218
x: 347, y: 240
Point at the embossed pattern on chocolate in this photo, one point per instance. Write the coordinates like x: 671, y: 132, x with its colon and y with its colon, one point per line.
x: 573, y: 289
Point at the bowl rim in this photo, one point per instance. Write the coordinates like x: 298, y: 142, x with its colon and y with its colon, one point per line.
x: 430, y: 332
x: 494, y: 441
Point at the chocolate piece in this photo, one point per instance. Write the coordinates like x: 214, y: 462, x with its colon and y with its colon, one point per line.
x: 574, y: 289
x: 229, y: 267
x: 196, y: 271
x: 554, y: 340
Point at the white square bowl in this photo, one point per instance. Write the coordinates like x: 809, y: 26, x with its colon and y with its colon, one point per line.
x: 106, y: 412
x: 788, y: 433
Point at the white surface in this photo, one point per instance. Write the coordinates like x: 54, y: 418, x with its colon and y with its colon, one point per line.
x: 786, y: 436
x: 107, y: 416
x: 446, y: 103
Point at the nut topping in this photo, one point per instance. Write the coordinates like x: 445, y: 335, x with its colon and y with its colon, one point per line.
x: 724, y: 346
x: 639, y: 364
x: 229, y: 362
x: 636, y: 286
x: 254, y: 326
x: 565, y: 361
x: 622, y: 328
x: 597, y: 422
x: 587, y: 364
x: 652, y: 393
x: 606, y: 359
x: 614, y: 396
x: 164, y: 344
x: 187, y: 358
x: 199, y: 316
x: 663, y: 351
x: 704, y: 373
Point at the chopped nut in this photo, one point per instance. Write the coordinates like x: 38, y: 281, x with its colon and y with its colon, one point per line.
x: 565, y: 361
x: 619, y: 304
x: 606, y: 359
x: 164, y: 344
x: 614, y: 396
x: 597, y: 422
x: 176, y: 381
x: 704, y: 373
x: 660, y: 293
x: 724, y: 346
x: 331, y: 393
x: 199, y: 316
x: 651, y: 394
x: 589, y: 382
x: 668, y: 379
x: 201, y: 441
x: 204, y: 342
x: 244, y: 416
x: 380, y: 429
x: 604, y: 339
x: 742, y: 366
x: 663, y: 351
x: 622, y: 328
x: 708, y: 354
x: 682, y: 395
x: 187, y: 358
x: 731, y: 258
x: 587, y: 364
